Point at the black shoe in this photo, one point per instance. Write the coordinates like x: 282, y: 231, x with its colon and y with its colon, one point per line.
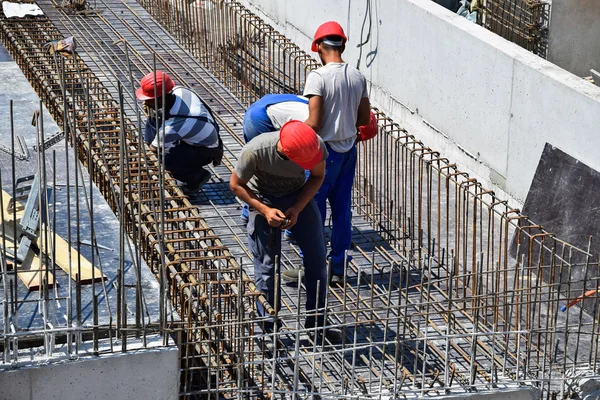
x: 189, y: 189
x: 334, y: 335
x: 268, y: 326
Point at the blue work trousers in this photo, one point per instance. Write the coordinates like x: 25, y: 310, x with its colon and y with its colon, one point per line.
x: 337, y: 188
x: 265, y: 243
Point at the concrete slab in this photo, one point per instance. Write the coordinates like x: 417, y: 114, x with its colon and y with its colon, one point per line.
x: 145, y: 373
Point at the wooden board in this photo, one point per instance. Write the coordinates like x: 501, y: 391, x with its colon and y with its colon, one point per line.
x: 62, y: 260
x: 89, y: 273
x: 31, y: 271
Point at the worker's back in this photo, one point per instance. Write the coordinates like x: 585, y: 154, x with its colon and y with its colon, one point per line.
x: 341, y: 86
x: 189, y: 120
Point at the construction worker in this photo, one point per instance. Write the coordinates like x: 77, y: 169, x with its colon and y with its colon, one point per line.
x: 268, y: 114
x: 271, y: 111
x: 269, y: 176
x: 191, y: 136
x: 338, y: 104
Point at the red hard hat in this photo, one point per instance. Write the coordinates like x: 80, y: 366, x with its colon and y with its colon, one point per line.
x: 300, y: 144
x: 146, y: 89
x: 369, y: 131
x: 330, y: 28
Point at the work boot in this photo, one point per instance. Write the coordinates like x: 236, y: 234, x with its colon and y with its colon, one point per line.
x: 338, y: 280
x: 291, y: 275
x: 334, y: 335
x: 189, y: 189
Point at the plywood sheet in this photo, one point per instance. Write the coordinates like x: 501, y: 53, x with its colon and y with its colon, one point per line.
x: 564, y: 198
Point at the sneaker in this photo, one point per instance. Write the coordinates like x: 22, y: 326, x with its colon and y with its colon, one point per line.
x: 244, y: 215
x: 336, y: 280
x: 268, y: 344
x: 289, y: 236
x: 191, y: 189
x: 291, y: 275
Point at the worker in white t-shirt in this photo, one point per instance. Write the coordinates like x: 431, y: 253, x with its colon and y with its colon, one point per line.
x: 338, y: 103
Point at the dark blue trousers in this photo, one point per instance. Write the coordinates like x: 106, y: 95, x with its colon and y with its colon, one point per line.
x: 185, y: 162
x: 337, y: 188
x: 265, y: 243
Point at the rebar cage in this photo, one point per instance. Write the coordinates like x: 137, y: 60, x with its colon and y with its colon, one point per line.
x: 524, y: 22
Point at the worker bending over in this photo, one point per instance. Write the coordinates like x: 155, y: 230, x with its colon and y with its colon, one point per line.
x: 268, y: 114
x: 338, y: 103
x: 271, y: 112
x: 270, y: 177
x: 190, y: 138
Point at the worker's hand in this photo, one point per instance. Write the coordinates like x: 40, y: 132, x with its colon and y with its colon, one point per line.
x: 152, y: 148
x: 292, y: 217
x: 274, y: 217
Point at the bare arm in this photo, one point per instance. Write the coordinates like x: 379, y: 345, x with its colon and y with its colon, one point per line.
x: 310, y: 188
x: 239, y: 187
x: 364, y: 109
x: 315, y: 112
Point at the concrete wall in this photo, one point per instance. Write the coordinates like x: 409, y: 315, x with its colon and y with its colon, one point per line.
x: 499, y: 394
x: 574, y: 34
x: 143, y: 374
x: 486, y: 103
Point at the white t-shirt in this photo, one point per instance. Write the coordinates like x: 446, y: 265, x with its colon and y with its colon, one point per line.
x: 341, y: 86
x: 281, y: 113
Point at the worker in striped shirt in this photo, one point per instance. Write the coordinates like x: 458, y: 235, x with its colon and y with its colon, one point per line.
x: 190, y: 138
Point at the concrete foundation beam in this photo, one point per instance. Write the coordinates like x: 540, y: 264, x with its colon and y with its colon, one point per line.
x: 141, y: 374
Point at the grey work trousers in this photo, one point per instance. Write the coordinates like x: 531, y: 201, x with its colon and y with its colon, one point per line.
x: 265, y: 243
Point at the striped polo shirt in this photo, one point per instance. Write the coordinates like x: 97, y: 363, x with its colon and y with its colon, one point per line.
x: 179, y: 125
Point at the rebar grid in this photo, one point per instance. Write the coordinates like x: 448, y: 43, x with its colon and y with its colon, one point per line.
x: 152, y: 209
x: 524, y: 22
x: 428, y: 209
x: 446, y: 303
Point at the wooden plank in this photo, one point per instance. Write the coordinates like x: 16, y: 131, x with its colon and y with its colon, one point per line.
x: 31, y: 271
x: 62, y: 248
x: 62, y: 259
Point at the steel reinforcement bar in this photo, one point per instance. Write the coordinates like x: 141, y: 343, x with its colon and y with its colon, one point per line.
x: 194, y: 269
